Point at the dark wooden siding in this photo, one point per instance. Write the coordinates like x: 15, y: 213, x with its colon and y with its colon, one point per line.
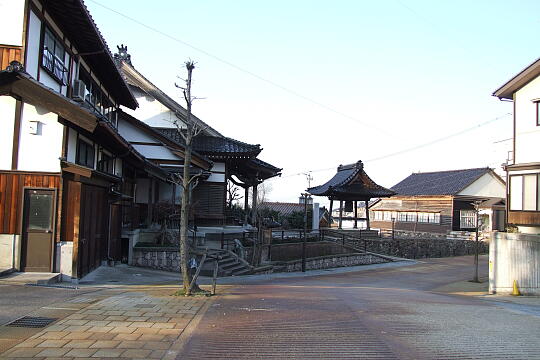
x: 458, y: 206
x: 8, y: 54
x: 442, y: 205
x: 524, y: 218
x: 209, y: 201
x: 11, y: 196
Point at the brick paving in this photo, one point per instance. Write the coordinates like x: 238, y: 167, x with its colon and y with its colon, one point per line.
x: 126, y: 325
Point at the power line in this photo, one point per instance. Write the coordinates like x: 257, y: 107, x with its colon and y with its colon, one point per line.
x: 245, y: 71
x: 429, y: 143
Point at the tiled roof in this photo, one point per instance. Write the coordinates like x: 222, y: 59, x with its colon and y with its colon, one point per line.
x: 352, y: 183
x: 283, y: 208
x: 212, y: 145
x: 438, y: 183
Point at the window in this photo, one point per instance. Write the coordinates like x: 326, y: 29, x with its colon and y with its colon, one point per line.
x: 85, y: 154
x: 524, y: 191
x: 53, y: 57
x: 105, y: 164
x: 423, y: 217
x: 467, y: 219
x: 537, y: 103
x: 95, y: 97
x: 402, y: 216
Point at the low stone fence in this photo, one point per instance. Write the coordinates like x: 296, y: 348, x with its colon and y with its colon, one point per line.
x: 329, y: 262
x: 160, y: 258
x: 420, y: 248
x: 289, y: 252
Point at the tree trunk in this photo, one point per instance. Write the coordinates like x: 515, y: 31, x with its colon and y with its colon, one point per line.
x: 184, y: 216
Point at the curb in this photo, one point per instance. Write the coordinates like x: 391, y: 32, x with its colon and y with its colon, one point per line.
x: 179, y: 345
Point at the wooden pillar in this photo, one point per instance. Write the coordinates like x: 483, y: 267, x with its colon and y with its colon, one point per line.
x: 367, y: 215
x: 355, y: 214
x: 150, y: 200
x: 254, y: 206
x: 330, y: 216
x: 340, y: 214
x: 246, y: 204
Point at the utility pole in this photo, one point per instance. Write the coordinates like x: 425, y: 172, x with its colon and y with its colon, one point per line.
x: 305, y: 197
x: 476, y: 247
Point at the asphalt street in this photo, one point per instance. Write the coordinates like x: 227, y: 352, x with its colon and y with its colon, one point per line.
x: 405, y: 312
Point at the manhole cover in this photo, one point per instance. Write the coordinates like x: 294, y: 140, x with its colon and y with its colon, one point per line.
x: 144, y: 306
x: 32, y: 322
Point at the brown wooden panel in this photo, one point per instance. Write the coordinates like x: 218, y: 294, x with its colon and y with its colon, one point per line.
x: 209, y: 200
x: 8, y: 54
x: 524, y: 218
x: 11, y: 196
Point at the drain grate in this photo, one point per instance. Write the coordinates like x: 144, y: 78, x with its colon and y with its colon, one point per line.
x: 32, y: 322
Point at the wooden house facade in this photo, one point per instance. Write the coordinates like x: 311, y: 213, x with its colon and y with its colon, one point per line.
x: 443, y: 201
x: 62, y: 160
x: 523, y: 167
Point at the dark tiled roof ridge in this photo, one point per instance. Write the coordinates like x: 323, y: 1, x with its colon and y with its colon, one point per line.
x: 448, y: 182
x: 456, y: 170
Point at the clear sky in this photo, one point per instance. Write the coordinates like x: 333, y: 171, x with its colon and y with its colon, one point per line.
x: 323, y: 83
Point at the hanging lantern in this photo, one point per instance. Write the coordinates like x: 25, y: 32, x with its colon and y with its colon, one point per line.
x: 348, y: 206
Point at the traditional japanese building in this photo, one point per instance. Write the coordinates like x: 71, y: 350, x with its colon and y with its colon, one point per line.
x: 232, y: 160
x: 62, y: 160
x: 351, y: 184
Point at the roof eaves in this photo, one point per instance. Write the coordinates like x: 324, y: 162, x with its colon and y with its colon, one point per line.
x: 525, y: 76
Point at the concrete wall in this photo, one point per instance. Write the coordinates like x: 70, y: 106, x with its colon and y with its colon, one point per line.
x: 64, y: 259
x: 514, y: 256
x: 10, y: 251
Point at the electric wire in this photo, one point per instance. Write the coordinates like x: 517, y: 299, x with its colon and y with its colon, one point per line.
x: 245, y: 71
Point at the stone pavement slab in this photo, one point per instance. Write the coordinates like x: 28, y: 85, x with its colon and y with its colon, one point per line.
x: 100, y: 328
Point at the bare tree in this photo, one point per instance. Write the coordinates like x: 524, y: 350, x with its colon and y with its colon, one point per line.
x: 233, y: 194
x: 193, y: 127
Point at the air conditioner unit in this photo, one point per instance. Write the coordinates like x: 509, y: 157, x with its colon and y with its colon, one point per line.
x: 79, y: 89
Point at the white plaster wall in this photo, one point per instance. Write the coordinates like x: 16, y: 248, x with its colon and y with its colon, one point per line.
x: 156, y: 152
x: 216, y: 178
x: 216, y: 171
x: 133, y: 134
x: 218, y: 167
x: 72, y: 145
x: 487, y: 185
x: 11, y: 22
x: 32, y: 46
x: 40, y: 152
x: 118, y: 167
x: 48, y: 81
x: 151, y: 111
x: 527, y: 132
x: 7, y: 119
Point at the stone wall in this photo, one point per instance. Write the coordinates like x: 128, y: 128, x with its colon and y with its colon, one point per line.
x: 288, y: 252
x: 159, y: 258
x: 422, y: 248
x: 329, y: 262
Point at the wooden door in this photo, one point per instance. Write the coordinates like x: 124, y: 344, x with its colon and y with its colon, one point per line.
x: 92, y: 229
x: 38, y: 224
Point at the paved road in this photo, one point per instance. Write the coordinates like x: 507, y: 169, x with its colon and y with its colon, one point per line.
x: 388, y: 313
